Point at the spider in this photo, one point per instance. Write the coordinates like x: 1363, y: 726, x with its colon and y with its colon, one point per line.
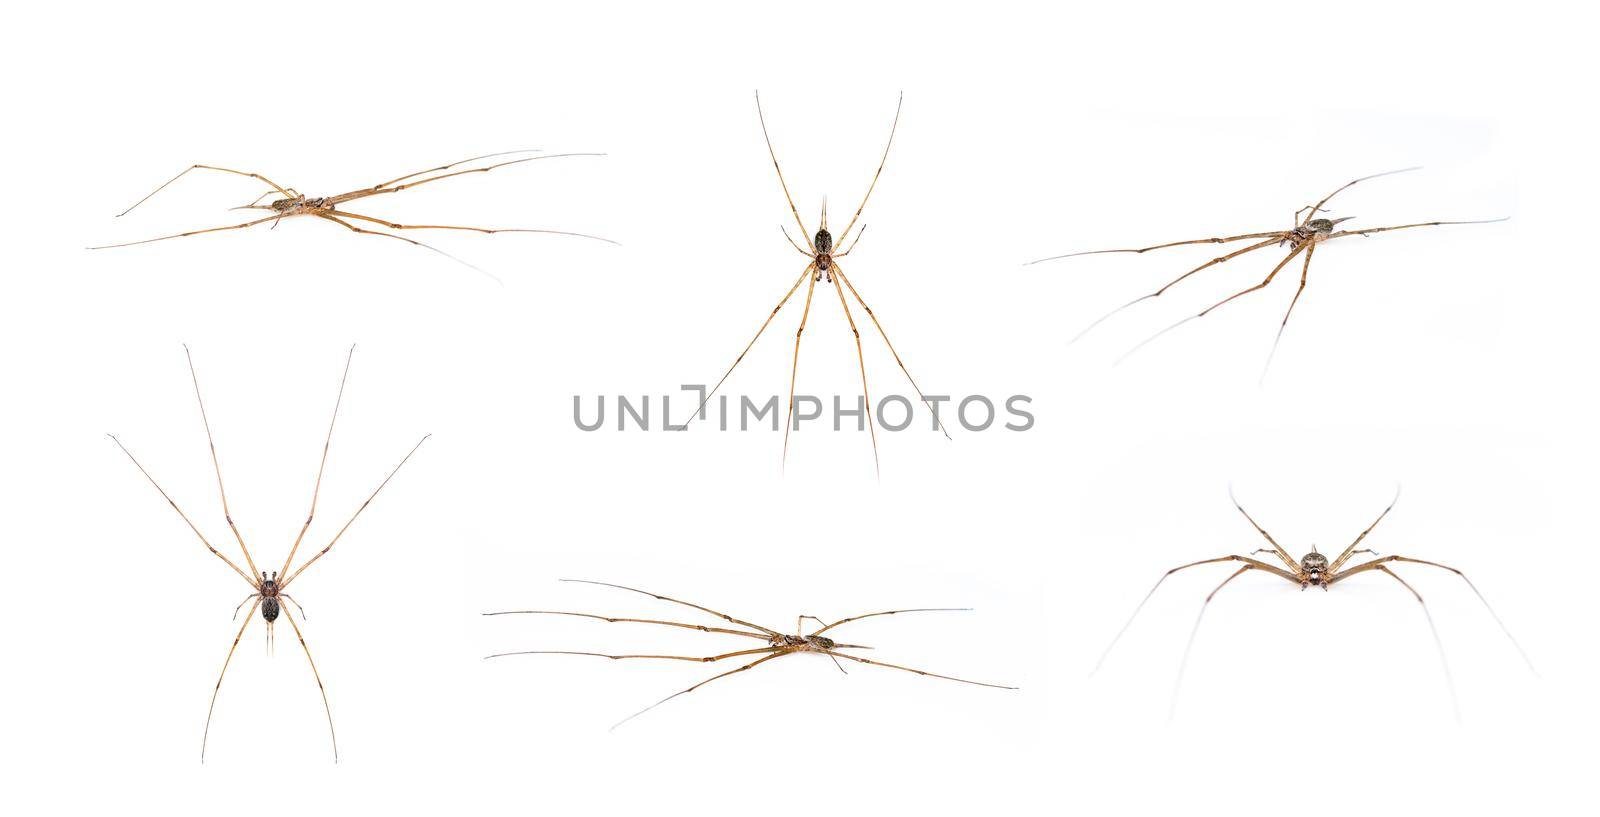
x: 1314, y: 570
x: 1306, y: 234
x: 776, y: 644
x: 268, y: 591
x: 822, y: 266
x: 293, y: 203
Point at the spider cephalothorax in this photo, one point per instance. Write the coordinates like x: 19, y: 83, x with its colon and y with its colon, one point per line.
x: 1313, y: 570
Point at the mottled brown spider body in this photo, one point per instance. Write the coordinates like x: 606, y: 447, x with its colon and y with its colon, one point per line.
x: 268, y: 593
x: 1313, y: 569
x: 803, y: 643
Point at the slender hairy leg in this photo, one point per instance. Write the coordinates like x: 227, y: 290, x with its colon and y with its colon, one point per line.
x: 853, y: 244
x: 1236, y: 253
x: 890, y: 613
x: 316, y: 489
x: 296, y: 604
x: 1444, y: 663
x: 1276, y: 548
x: 1343, y: 233
x: 785, y: 185
x: 860, y: 660
x: 485, y: 230
x: 395, y: 188
x: 616, y: 619
x: 1351, y: 549
x: 454, y: 164
x: 1314, y: 209
x: 754, y: 663
x: 247, y: 600
x: 1305, y: 272
x: 206, y: 736
x: 792, y: 243
x: 354, y: 228
x: 1275, y: 236
x: 794, y: 367
x: 189, y: 233
x: 254, y: 583
x: 839, y: 273
x: 318, y: 676
x: 1202, y: 313
x: 1172, y: 708
x: 324, y: 551
x: 1258, y: 565
x: 1376, y: 563
x: 723, y: 616
x: 865, y: 394
x: 810, y: 268
x: 214, y: 463
x: 881, y: 162
x: 698, y: 659
x: 181, y: 174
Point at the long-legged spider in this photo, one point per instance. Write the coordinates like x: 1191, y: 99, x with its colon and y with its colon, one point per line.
x: 1303, y: 238
x: 1314, y: 570
x: 293, y: 203
x: 267, y: 591
x: 822, y: 265
x: 777, y: 644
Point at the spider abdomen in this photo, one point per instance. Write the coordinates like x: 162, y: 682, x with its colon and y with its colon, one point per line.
x: 269, y: 608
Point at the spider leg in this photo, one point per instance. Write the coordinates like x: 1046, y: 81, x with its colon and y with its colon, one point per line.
x: 853, y: 244
x: 248, y: 578
x: 1305, y: 271
x: 698, y: 659
x: 792, y: 242
x: 1274, y: 236
x: 189, y: 233
x: 318, y: 676
x: 1276, y: 548
x: 781, y: 183
x: 1314, y: 209
x: 1444, y: 663
x: 861, y: 660
x: 454, y: 164
x: 890, y: 613
x: 881, y: 162
x: 866, y: 395
x: 1343, y: 233
x: 216, y: 465
x: 723, y: 616
x: 613, y: 620
x: 794, y: 368
x: 1351, y: 550
x: 206, y: 736
x: 316, y: 489
x: 839, y: 272
x: 336, y: 220
x: 313, y: 560
x: 1202, y: 313
x: 243, y: 603
x: 1259, y: 565
x: 1172, y: 708
x: 485, y: 230
x: 386, y: 188
x: 810, y: 268
x: 296, y: 604
x: 181, y: 174
x: 1158, y: 293
x: 1376, y: 563
x: 754, y: 663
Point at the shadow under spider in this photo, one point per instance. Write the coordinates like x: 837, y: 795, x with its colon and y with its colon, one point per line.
x: 1303, y: 238
x: 777, y: 644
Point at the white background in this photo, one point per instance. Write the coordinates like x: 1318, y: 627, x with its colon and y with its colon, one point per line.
x: 1454, y: 361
